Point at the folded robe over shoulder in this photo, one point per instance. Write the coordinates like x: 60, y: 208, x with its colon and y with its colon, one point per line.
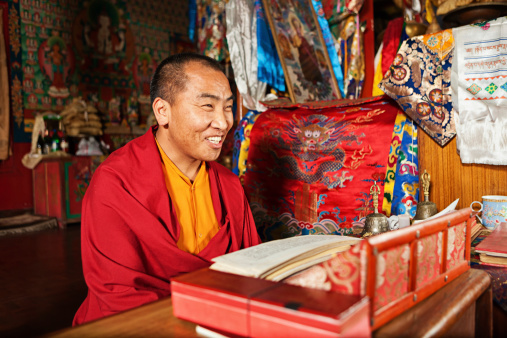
x: 130, y: 230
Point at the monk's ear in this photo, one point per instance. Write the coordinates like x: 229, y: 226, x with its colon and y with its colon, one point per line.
x: 162, y: 111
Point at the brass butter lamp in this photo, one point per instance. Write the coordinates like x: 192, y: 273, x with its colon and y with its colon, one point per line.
x: 425, y: 208
x: 375, y: 223
x: 413, y: 28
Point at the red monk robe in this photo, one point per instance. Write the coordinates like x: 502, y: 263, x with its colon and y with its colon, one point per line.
x: 130, y: 230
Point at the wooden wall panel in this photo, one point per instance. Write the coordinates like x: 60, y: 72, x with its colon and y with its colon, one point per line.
x: 451, y: 179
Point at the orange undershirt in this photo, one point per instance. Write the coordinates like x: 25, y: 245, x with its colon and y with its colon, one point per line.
x: 193, y: 204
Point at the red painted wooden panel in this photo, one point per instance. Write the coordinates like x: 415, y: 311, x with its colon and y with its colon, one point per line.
x: 54, y: 186
x: 39, y: 190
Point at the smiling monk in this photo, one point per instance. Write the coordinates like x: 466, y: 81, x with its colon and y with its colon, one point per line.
x: 160, y: 206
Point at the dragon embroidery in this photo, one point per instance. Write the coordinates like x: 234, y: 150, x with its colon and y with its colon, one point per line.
x: 315, y: 142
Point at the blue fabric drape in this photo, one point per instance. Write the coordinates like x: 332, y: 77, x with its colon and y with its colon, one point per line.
x: 269, y: 69
x: 407, y: 173
x: 192, y: 17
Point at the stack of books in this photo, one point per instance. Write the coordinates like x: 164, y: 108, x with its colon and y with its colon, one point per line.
x: 493, y: 249
x: 476, y: 230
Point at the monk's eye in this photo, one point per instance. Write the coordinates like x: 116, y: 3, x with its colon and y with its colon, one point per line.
x: 308, y: 133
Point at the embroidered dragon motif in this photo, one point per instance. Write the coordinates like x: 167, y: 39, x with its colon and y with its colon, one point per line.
x: 311, y: 139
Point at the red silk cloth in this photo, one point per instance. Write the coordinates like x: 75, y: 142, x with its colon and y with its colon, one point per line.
x: 310, y: 170
x: 130, y: 230
x: 391, y: 40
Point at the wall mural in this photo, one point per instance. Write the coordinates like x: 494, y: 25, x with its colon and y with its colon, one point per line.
x: 102, y: 50
x: 56, y: 61
x: 48, y: 61
x: 104, y: 44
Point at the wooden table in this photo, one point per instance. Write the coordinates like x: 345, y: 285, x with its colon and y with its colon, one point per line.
x: 462, y: 308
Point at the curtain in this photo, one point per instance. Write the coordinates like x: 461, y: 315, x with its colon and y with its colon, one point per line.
x: 4, y: 96
x: 242, y: 41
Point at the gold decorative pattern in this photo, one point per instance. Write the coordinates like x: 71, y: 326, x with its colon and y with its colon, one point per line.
x: 17, y: 101
x: 14, y: 31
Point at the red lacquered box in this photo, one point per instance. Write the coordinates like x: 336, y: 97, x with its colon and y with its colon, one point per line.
x: 291, y: 311
x: 216, y: 299
x: 253, y: 307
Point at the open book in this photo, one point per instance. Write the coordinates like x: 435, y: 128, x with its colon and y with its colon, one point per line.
x: 278, y: 259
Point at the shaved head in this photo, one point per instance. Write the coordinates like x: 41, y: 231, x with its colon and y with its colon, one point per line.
x: 170, y: 77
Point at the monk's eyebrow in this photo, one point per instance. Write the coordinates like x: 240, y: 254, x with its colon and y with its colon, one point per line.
x: 207, y: 95
x: 213, y: 97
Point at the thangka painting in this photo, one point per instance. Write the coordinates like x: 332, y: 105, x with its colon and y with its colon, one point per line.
x: 211, y: 29
x: 302, y: 51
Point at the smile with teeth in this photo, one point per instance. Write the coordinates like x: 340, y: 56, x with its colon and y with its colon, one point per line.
x: 214, y: 139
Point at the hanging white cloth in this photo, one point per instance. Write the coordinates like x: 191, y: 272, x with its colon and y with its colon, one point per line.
x: 479, y: 91
x: 242, y: 42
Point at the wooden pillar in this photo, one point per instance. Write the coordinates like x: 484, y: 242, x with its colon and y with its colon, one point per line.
x: 240, y: 109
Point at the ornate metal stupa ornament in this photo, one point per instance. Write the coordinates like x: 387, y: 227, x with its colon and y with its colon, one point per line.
x: 375, y: 223
x: 425, y: 208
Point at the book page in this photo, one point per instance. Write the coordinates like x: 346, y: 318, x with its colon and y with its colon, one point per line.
x: 204, y: 332
x: 493, y: 259
x: 447, y: 210
x: 289, y: 269
x: 255, y: 260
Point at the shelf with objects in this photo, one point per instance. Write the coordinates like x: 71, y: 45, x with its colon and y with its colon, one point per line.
x: 450, y: 83
x: 65, y: 151
x: 298, y: 185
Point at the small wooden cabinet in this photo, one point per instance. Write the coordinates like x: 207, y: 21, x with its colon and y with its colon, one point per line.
x: 59, y: 185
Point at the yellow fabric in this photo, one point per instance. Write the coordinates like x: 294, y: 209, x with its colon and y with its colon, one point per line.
x: 193, y: 204
x: 377, y: 78
x: 430, y: 13
x: 245, y: 146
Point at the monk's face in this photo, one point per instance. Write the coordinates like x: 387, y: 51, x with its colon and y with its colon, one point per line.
x: 201, y: 115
